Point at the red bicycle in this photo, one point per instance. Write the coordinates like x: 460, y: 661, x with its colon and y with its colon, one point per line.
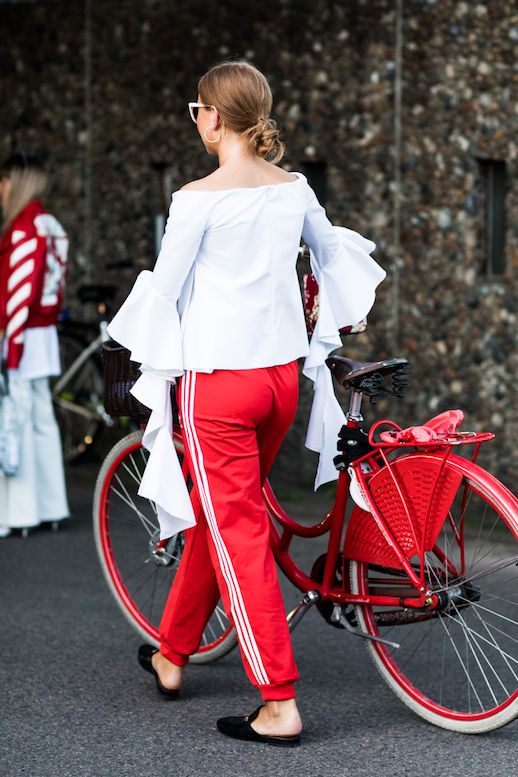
x: 426, y: 572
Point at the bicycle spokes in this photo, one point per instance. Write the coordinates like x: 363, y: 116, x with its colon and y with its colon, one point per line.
x: 458, y: 663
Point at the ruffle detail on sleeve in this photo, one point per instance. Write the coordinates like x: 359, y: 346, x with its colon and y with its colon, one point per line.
x: 325, y: 421
x: 163, y: 481
x: 148, y: 325
x: 346, y: 289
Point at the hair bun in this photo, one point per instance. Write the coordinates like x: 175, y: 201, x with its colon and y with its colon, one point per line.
x: 263, y: 137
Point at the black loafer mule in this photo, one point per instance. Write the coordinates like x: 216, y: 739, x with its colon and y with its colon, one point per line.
x: 240, y: 728
x: 145, y: 653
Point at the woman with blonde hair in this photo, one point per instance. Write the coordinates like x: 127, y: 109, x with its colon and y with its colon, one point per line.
x: 33, y: 253
x: 222, y: 315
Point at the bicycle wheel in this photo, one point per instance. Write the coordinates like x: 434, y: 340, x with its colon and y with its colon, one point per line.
x: 456, y: 667
x: 78, y: 404
x: 126, y: 534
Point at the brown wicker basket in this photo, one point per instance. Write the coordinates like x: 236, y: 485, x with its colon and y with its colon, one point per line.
x: 120, y: 374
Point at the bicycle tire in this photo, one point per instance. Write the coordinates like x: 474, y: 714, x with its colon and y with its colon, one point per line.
x: 459, y: 669
x: 131, y: 532
x: 78, y: 433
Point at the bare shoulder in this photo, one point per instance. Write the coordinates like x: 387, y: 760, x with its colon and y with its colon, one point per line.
x: 200, y: 185
x: 278, y: 174
x: 247, y: 176
x: 213, y: 182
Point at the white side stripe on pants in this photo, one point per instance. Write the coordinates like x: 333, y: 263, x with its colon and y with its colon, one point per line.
x: 241, y: 620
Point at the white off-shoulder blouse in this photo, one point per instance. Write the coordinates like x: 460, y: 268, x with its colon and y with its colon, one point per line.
x: 224, y: 294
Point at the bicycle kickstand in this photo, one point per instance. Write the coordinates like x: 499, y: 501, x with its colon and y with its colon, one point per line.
x: 338, y: 617
x: 295, y: 616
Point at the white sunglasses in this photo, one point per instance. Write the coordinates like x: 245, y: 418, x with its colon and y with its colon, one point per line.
x: 194, y: 109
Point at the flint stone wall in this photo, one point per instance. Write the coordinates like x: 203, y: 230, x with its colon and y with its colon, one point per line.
x: 101, y: 89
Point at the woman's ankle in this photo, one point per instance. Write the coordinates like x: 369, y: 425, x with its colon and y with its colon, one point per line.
x: 170, y: 674
x: 165, y: 661
x: 281, y: 708
x: 279, y: 718
x: 176, y: 659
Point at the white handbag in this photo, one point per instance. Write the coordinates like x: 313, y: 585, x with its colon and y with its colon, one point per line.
x: 12, y: 417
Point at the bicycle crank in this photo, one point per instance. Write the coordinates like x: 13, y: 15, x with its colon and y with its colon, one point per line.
x: 339, y: 618
x: 308, y: 600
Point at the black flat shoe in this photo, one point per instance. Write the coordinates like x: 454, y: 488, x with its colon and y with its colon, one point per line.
x: 145, y: 653
x: 240, y: 728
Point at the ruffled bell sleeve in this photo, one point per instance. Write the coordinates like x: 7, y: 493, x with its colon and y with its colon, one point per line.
x: 148, y: 325
x: 347, y: 279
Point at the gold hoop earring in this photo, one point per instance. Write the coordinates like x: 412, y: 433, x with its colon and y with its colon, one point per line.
x: 208, y: 139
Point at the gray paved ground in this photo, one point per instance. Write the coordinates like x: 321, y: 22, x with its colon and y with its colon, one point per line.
x: 75, y: 703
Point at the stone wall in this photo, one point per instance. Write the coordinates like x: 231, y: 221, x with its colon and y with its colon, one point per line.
x: 101, y: 88
x: 460, y: 105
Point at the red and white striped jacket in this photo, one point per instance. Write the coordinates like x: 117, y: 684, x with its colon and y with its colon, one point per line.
x: 33, y: 255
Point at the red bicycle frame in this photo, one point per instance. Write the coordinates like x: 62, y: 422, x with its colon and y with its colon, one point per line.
x: 283, y: 528
x: 334, y: 523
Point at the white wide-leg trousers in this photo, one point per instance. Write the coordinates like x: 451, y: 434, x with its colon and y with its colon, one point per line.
x: 38, y: 492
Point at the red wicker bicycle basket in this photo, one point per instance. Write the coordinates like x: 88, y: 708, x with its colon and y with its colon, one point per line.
x: 413, y: 494
x: 120, y: 375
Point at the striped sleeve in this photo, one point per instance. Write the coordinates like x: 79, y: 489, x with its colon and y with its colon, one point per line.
x: 26, y: 265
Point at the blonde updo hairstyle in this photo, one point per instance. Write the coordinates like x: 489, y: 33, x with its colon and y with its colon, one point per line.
x: 243, y: 99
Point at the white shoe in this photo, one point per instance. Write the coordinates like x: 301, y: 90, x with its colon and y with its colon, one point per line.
x: 5, y: 531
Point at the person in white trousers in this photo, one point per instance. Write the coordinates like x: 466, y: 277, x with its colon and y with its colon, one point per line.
x: 33, y: 253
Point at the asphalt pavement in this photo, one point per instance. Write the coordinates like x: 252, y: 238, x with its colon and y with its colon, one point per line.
x: 74, y: 702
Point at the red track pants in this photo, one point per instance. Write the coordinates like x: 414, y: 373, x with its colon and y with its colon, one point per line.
x: 233, y: 424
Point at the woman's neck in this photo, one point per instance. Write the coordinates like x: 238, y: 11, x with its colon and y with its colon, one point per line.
x: 234, y: 150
